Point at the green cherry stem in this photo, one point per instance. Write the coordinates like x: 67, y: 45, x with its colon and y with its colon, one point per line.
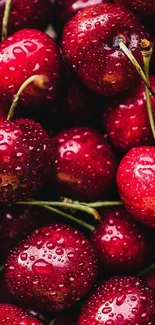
x: 147, y: 270
x: 70, y: 217
x: 5, y: 20
x: 39, y: 81
x: 76, y: 206
x: 105, y: 204
x: 147, y: 50
x: 130, y: 56
x: 98, y: 204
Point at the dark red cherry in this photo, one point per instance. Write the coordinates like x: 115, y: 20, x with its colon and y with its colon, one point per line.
x: 84, y: 165
x: 119, y: 301
x: 52, y: 269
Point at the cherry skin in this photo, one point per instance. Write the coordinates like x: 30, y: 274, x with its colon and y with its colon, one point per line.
x: 125, y: 119
x: 28, y: 52
x: 10, y: 314
x: 145, y: 8
x: 90, y: 46
x: 84, y: 165
x: 26, y: 14
x: 136, y: 183
x: 119, y: 301
x: 16, y: 222
x: 124, y: 246
x: 56, y: 266
x: 25, y: 158
x: 65, y: 10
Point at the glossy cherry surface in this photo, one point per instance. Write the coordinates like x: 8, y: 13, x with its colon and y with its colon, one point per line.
x: 119, y: 301
x: 144, y: 8
x: 52, y: 269
x: 125, y: 119
x: 28, y: 52
x: 136, y: 183
x: 25, y: 158
x: 124, y: 246
x: 10, y: 314
x: 90, y: 45
x: 84, y: 165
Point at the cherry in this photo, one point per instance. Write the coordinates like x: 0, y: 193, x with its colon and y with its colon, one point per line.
x: 149, y: 278
x: 65, y: 10
x: 124, y: 246
x: 90, y: 44
x: 125, y: 119
x: 29, y: 14
x: 10, y: 314
x: 145, y: 8
x: 28, y: 52
x: 136, y: 183
x: 16, y: 222
x: 52, y: 269
x: 119, y: 301
x: 84, y: 165
x: 25, y: 158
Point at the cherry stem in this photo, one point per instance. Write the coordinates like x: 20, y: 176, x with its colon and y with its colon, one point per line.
x: 2, y: 268
x: 40, y: 81
x: 52, y: 322
x: 5, y: 20
x: 147, y: 50
x: 70, y: 217
x: 130, y: 56
x: 98, y: 204
x: 147, y: 270
x: 76, y: 206
x: 105, y: 204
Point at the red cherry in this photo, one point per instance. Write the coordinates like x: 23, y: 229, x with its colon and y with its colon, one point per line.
x: 52, y: 269
x: 65, y: 10
x: 119, y: 301
x: 145, y: 8
x: 25, y: 150
x: 136, y: 183
x: 28, y: 52
x: 84, y: 165
x: 26, y: 14
x: 12, y: 315
x: 125, y: 119
x: 90, y: 44
x: 124, y: 246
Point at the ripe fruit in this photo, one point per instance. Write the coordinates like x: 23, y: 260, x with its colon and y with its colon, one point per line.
x: 84, y: 165
x: 124, y: 246
x: 28, y: 52
x: 144, y: 8
x: 136, y: 183
x: 10, y: 314
x: 52, y: 269
x: 65, y: 10
x: 90, y: 44
x: 125, y: 119
x: 16, y: 222
x: 29, y: 14
x: 119, y: 301
x: 25, y: 158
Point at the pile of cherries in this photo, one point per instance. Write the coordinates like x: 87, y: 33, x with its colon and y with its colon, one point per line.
x: 77, y: 163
